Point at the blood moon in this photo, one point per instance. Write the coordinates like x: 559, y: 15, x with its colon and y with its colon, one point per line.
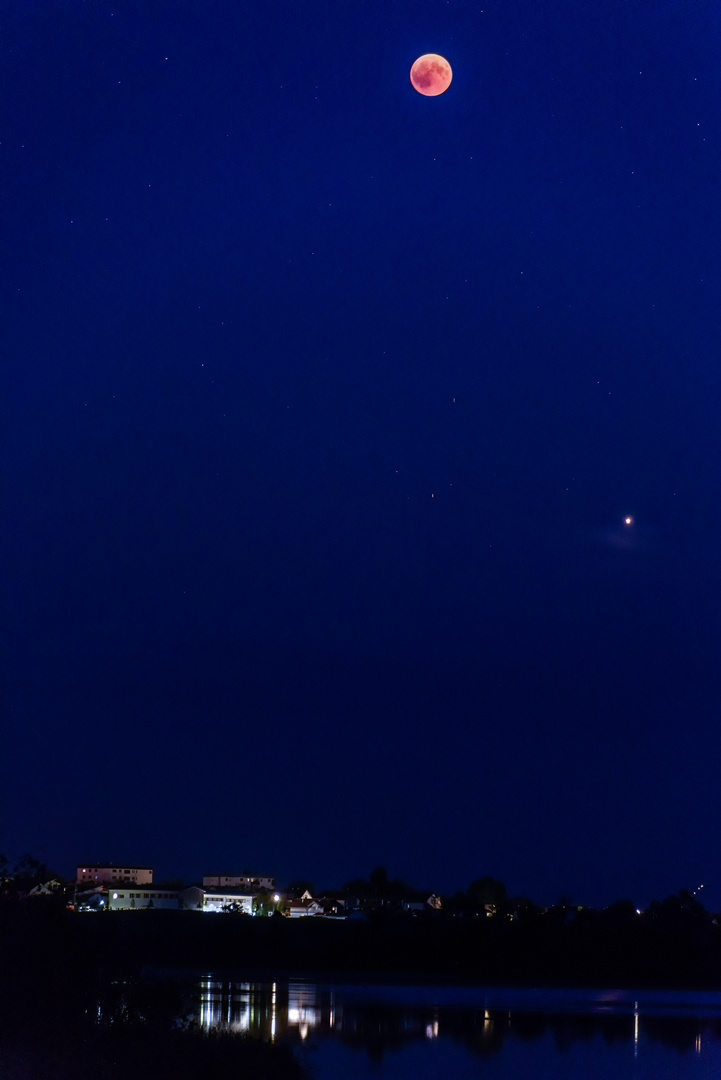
x: 431, y: 75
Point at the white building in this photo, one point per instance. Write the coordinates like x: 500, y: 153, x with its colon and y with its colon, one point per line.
x: 111, y: 874
x: 238, y: 881
x: 141, y: 898
x: 324, y: 906
x: 196, y: 898
x: 49, y: 888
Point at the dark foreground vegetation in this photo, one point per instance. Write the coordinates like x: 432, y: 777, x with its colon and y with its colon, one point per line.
x: 71, y: 1006
x: 52, y: 1047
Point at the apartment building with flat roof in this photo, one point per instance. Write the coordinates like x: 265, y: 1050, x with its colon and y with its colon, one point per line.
x: 114, y: 874
x: 238, y: 881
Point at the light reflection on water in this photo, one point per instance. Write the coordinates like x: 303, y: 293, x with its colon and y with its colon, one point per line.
x: 268, y: 1010
x: 408, y: 1030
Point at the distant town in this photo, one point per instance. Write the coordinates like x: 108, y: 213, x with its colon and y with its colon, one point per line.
x: 113, y: 887
x: 108, y: 887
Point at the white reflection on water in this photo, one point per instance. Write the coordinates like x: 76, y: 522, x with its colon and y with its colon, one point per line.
x: 389, y: 1031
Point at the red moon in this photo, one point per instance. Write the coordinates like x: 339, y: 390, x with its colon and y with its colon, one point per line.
x: 431, y: 75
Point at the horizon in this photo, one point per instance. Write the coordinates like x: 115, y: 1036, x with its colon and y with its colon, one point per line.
x: 324, y: 887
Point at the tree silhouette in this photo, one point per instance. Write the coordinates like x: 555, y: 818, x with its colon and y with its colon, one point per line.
x: 487, y: 891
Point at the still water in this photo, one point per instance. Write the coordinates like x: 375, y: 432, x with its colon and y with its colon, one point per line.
x: 362, y: 1031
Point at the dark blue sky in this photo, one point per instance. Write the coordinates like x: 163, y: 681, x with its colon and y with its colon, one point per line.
x: 323, y: 406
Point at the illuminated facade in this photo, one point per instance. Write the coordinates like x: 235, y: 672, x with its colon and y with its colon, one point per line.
x: 238, y: 881
x: 111, y: 874
x: 139, y: 898
x: 224, y: 900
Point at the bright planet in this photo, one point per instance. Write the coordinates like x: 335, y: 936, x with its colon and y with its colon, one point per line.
x: 431, y: 75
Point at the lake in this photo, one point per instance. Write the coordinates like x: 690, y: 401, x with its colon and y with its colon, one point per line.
x: 383, y: 1031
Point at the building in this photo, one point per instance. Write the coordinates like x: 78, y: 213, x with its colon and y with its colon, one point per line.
x: 141, y: 898
x: 324, y: 906
x: 197, y: 898
x: 238, y: 881
x: 111, y: 874
x: 49, y: 888
x: 433, y: 903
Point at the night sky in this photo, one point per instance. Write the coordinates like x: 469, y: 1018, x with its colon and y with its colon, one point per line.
x: 323, y: 406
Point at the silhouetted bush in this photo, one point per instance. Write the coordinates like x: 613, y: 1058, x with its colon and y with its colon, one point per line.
x: 72, y: 1002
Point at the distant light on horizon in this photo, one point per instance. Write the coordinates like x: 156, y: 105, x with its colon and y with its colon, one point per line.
x: 628, y: 521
